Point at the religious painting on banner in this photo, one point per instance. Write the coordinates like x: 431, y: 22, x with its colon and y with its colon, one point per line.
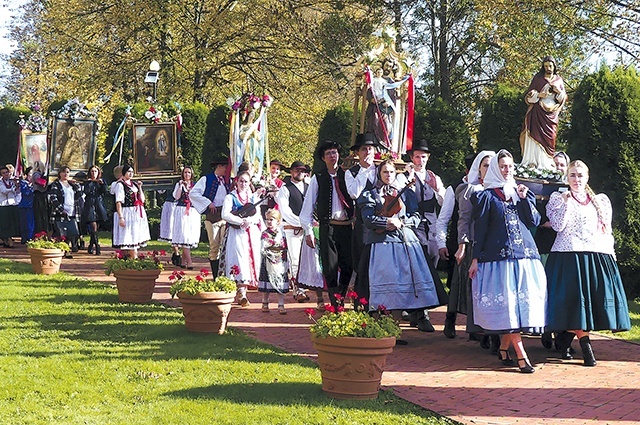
x: 73, y: 144
x: 155, y: 150
x: 34, y: 147
x: 248, y: 132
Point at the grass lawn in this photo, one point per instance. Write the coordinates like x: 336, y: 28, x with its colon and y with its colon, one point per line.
x: 70, y: 354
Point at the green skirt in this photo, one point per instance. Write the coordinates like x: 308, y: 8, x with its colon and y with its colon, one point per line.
x: 585, y: 292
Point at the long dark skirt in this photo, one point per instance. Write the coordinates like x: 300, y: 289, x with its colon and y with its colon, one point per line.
x: 585, y: 292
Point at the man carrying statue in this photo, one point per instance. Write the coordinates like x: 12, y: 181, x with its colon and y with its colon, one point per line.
x: 546, y: 97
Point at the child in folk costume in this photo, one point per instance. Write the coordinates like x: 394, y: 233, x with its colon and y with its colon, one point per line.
x: 185, y: 231
x: 273, y: 273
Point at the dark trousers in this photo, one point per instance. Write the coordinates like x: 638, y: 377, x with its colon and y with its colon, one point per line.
x: 335, y: 254
x: 27, y: 224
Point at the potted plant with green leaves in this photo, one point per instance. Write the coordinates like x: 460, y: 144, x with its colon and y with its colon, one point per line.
x: 352, y: 347
x: 135, y: 277
x: 46, y: 253
x: 206, y: 302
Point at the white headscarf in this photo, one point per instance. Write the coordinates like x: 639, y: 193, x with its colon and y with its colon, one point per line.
x: 473, y: 177
x: 494, y: 180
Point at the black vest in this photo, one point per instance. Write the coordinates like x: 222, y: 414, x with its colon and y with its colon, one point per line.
x: 325, y: 192
x: 295, y: 197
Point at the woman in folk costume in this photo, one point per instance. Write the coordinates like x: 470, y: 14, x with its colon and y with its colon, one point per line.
x: 130, y: 225
x: 585, y: 288
x: 397, y: 274
x: 242, y: 251
x: 460, y: 294
x: 509, y: 287
x: 185, y: 231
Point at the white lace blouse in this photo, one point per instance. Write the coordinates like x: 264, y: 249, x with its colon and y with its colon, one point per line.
x: 577, y: 225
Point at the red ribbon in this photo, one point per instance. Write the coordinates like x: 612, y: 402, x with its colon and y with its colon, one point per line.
x: 411, y: 98
x: 137, y: 202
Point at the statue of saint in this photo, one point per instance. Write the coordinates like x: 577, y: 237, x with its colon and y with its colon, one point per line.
x: 382, y: 97
x: 546, y: 97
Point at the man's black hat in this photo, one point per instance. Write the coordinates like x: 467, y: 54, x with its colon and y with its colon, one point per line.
x: 364, y: 139
x: 420, y: 145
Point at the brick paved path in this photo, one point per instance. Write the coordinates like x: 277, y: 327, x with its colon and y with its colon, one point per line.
x: 455, y: 378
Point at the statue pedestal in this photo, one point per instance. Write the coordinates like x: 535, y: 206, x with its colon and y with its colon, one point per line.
x: 542, y: 188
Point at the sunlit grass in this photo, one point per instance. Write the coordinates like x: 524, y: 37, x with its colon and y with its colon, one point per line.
x: 70, y: 354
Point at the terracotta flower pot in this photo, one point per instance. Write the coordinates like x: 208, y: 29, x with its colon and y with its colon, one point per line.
x: 351, y: 368
x: 45, y: 261
x: 136, y: 286
x: 206, y: 311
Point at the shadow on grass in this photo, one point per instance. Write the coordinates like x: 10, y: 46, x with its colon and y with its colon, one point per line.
x: 289, y: 394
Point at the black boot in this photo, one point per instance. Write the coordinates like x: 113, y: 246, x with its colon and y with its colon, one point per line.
x: 494, y: 341
x: 563, y: 344
x: 96, y: 242
x: 450, y: 325
x: 214, y: 267
x: 587, y: 351
x: 424, y: 323
x: 90, y: 249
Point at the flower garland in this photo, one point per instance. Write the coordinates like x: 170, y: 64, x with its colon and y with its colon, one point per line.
x: 249, y: 101
x: 73, y: 110
x: 531, y: 172
x: 36, y: 123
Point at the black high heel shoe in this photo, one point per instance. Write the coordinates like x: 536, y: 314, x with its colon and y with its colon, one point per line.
x: 527, y: 368
x: 506, y: 360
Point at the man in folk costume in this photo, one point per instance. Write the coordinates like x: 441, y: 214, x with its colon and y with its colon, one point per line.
x: 430, y: 192
x: 327, y: 195
x: 290, y: 198
x: 207, y: 197
x: 359, y: 178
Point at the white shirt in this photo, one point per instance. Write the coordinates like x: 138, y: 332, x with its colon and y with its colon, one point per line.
x: 355, y: 185
x: 201, y: 202
x: 444, y: 217
x: 69, y: 201
x: 8, y: 195
x: 578, y: 227
x: 282, y: 198
x: 306, y: 214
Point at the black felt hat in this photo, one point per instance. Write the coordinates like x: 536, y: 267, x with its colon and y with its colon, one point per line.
x: 420, y: 145
x: 364, y: 139
x: 297, y: 164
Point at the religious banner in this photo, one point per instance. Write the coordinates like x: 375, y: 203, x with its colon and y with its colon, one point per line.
x: 155, y: 150
x: 73, y: 137
x: 249, y: 134
x: 73, y: 144
x: 34, y: 147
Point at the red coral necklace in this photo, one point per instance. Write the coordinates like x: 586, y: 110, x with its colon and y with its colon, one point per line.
x: 585, y: 202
